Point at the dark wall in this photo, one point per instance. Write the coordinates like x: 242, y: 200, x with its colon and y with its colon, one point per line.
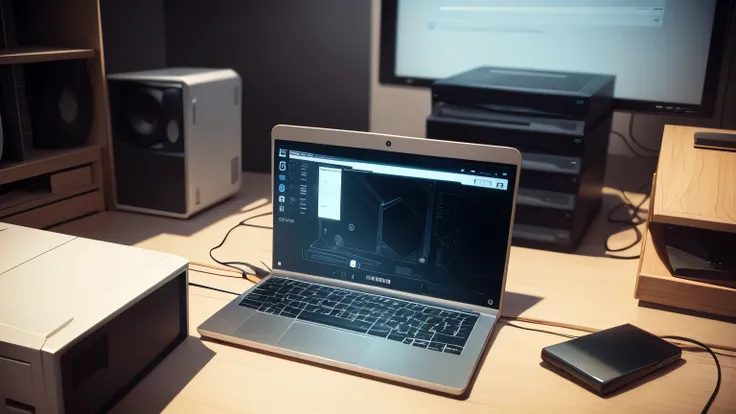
x: 728, y: 79
x: 301, y: 62
x: 133, y: 34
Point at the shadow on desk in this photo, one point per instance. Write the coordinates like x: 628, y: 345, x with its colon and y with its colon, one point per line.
x: 514, y: 304
x: 464, y: 396
x: 130, y: 228
x: 635, y: 384
x: 168, y: 379
x: 698, y: 314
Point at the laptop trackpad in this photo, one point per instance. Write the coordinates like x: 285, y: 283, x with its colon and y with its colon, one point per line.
x: 263, y: 328
x: 325, y: 342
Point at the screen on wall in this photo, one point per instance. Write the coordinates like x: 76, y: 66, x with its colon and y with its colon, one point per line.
x: 661, y: 51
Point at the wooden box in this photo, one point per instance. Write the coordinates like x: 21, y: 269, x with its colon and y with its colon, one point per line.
x: 693, y: 187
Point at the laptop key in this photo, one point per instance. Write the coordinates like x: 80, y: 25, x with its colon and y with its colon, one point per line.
x: 453, y: 349
x: 424, y: 335
x: 336, y: 322
x: 421, y: 343
x: 379, y: 330
x: 396, y: 336
x: 452, y: 340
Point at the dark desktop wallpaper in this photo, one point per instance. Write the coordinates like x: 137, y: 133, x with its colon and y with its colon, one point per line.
x: 423, y: 236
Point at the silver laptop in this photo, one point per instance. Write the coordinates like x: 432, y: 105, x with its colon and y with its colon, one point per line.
x: 389, y: 256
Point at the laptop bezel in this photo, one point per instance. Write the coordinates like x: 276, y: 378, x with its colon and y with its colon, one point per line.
x: 407, y: 145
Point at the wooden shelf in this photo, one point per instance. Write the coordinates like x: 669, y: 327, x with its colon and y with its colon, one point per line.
x: 655, y: 283
x: 694, y: 187
x: 47, y: 161
x: 45, y: 199
x: 33, y: 54
x: 59, y: 212
x: 48, y: 186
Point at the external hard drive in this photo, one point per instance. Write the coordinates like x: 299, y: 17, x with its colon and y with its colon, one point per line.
x: 715, y: 140
x: 607, y: 360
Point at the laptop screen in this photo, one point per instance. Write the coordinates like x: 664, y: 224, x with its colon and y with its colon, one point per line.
x: 425, y: 225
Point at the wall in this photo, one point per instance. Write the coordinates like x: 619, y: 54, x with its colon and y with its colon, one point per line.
x: 302, y: 62
x: 403, y: 110
x: 133, y: 34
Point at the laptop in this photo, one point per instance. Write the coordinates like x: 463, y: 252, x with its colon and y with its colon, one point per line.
x: 389, y: 256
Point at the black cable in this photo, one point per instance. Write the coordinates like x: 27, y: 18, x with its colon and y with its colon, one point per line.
x: 635, y: 141
x: 633, y: 220
x: 258, y: 226
x: 258, y: 271
x: 213, y: 288
x: 564, y: 335
x: 628, y: 145
x: 266, y: 266
x: 715, y: 359
x: 206, y: 272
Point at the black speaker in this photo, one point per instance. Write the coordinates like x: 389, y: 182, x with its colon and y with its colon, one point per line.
x: 16, y: 124
x: 60, y: 103
x: 152, y: 117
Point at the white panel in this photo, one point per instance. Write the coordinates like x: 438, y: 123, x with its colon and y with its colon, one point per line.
x: 19, y: 244
x: 44, y: 294
x: 330, y: 193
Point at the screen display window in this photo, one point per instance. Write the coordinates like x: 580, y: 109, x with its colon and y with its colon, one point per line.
x: 425, y: 225
x: 657, y: 49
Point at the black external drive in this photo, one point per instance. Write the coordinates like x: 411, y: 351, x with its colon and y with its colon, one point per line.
x: 716, y: 140
x: 607, y: 360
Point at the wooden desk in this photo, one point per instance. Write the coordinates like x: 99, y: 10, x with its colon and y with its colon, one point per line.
x: 584, y: 289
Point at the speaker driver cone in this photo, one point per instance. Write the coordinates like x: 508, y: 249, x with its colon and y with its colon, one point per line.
x: 144, y: 115
x: 60, y: 103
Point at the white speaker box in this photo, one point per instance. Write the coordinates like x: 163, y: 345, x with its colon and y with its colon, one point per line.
x: 176, y: 139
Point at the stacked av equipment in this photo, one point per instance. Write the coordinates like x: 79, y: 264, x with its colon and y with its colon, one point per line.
x: 176, y: 139
x: 561, y: 124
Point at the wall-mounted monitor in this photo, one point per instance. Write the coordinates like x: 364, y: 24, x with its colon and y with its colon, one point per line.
x: 666, y: 54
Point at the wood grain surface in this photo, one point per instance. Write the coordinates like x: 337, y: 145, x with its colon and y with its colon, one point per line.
x: 695, y: 187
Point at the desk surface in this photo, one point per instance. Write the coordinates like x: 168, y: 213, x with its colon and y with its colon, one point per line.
x: 585, y: 289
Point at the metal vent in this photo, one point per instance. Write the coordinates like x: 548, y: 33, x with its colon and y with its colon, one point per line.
x: 194, y: 111
x: 92, y: 359
x: 234, y: 170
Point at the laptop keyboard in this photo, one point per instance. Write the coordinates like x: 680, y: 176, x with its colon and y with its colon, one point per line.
x: 411, y: 323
